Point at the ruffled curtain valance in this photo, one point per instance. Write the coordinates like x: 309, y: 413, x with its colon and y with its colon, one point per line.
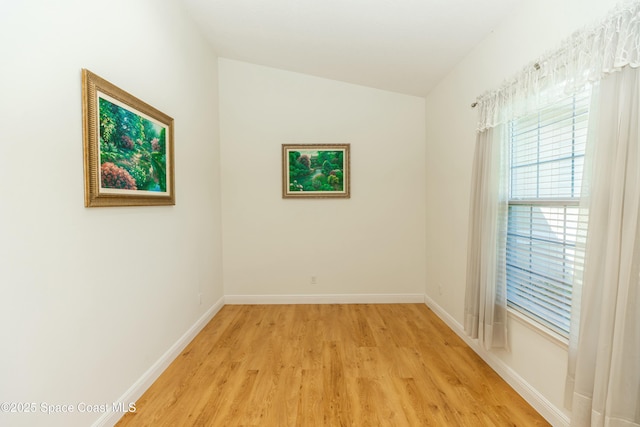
x: 587, y: 56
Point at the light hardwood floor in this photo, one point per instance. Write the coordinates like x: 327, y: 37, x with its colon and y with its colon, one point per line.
x: 329, y: 365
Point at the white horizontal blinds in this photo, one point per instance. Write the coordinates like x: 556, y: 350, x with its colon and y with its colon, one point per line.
x: 548, y: 151
x: 546, y: 162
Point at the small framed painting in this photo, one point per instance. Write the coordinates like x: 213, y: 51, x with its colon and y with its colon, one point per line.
x: 128, y: 148
x: 316, y: 171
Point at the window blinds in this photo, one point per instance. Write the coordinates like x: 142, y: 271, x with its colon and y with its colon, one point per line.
x: 546, y: 162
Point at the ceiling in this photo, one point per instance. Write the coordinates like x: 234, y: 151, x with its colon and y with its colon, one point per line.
x: 404, y: 46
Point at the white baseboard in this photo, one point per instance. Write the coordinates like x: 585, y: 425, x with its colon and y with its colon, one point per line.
x: 326, y: 299
x: 554, y: 415
x: 152, y: 374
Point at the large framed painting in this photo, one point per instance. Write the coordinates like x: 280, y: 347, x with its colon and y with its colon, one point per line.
x: 316, y: 171
x: 128, y: 148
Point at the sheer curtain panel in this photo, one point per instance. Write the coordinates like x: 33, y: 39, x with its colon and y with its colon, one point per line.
x: 485, y: 314
x: 604, y: 368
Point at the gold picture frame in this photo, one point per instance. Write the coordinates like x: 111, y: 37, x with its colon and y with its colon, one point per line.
x: 128, y: 148
x: 316, y: 171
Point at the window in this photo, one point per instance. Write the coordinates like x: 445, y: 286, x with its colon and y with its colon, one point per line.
x: 546, y: 162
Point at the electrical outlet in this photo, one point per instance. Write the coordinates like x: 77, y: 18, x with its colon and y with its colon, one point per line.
x: 314, y: 280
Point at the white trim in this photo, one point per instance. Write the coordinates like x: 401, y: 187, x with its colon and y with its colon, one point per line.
x: 554, y: 415
x: 538, y: 328
x: 326, y: 299
x: 144, y: 382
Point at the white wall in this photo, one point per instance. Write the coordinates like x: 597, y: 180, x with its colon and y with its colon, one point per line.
x: 536, y: 27
x: 370, y: 244
x: 92, y: 298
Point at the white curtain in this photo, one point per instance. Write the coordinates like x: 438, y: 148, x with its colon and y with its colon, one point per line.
x: 604, y: 368
x: 485, y: 316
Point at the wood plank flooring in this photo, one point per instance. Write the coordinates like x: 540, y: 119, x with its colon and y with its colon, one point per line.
x: 329, y: 365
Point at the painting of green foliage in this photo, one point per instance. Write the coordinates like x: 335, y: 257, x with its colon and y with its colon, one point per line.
x: 316, y: 170
x: 133, y: 149
x: 127, y: 146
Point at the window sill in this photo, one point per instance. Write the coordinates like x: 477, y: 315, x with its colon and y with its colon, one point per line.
x: 546, y: 333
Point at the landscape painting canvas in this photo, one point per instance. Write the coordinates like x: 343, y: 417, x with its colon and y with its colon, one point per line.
x: 128, y: 148
x: 315, y: 170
